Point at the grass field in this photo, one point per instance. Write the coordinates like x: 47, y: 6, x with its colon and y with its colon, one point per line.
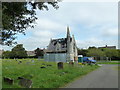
x: 109, y: 62
x: 49, y: 77
x: 0, y: 74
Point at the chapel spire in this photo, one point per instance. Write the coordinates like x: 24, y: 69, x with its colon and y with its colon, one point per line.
x: 68, y: 32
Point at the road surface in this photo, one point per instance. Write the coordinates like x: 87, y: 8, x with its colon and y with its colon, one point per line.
x: 104, y: 77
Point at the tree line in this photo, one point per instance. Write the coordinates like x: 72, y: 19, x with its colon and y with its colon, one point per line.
x: 19, y: 52
x: 100, y: 53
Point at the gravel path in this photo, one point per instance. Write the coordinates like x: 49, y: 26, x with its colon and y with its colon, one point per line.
x: 104, y: 77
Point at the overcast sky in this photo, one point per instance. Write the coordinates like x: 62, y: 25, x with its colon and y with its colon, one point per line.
x: 92, y: 24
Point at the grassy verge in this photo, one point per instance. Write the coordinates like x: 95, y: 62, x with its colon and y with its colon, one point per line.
x: 0, y: 74
x: 109, y: 62
x: 49, y: 77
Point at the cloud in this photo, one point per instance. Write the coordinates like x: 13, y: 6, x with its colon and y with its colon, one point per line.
x: 90, y: 22
x: 32, y: 43
x: 91, y: 0
x: 110, y: 32
x: 47, y: 24
x: 90, y: 42
x: 95, y: 42
x: 43, y: 34
x: 89, y: 14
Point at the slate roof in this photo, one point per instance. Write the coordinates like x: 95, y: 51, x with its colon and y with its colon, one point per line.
x: 61, y: 41
x: 58, y: 45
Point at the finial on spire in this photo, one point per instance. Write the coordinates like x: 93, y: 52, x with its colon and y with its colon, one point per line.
x: 68, y: 32
x: 67, y: 27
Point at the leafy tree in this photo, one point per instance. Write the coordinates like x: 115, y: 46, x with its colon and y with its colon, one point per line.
x: 111, y: 53
x: 92, y: 47
x: 6, y: 54
x: 118, y: 54
x: 18, y: 52
x: 18, y: 16
x: 95, y: 52
x: 82, y: 52
x: 39, y: 52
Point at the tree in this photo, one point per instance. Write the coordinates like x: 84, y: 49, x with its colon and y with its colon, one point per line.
x: 82, y: 52
x: 18, y: 52
x: 92, y: 47
x: 118, y: 58
x: 111, y: 53
x: 6, y: 54
x: 17, y: 17
x: 95, y: 53
x: 39, y: 52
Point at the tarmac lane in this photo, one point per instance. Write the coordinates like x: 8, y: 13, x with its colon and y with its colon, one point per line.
x: 104, y: 77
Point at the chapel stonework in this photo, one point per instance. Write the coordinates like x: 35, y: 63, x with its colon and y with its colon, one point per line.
x: 62, y: 49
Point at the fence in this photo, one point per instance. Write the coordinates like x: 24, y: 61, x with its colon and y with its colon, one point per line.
x: 55, y: 57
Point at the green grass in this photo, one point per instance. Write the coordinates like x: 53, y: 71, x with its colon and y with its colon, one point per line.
x: 109, y: 62
x: 49, y: 77
x: 0, y: 74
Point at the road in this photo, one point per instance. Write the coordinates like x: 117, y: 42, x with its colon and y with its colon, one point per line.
x: 104, y: 77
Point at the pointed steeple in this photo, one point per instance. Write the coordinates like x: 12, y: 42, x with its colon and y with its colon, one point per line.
x: 73, y: 38
x: 68, y: 32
